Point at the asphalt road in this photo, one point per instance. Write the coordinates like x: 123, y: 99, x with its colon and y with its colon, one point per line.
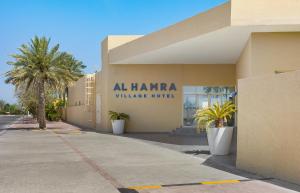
x: 6, y: 120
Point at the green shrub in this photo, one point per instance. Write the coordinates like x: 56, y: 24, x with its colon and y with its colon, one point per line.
x: 118, y: 116
x: 54, y: 110
x: 217, y: 114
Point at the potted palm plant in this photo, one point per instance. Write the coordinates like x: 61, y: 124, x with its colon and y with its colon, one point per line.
x: 214, y: 118
x: 118, y: 121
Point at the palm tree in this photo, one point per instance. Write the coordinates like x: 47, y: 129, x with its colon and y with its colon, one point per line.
x: 38, y: 66
x: 73, y: 66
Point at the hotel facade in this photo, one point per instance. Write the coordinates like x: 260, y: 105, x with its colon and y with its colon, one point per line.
x: 244, y: 50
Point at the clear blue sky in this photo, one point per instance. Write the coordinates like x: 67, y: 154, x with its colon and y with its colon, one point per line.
x: 80, y: 25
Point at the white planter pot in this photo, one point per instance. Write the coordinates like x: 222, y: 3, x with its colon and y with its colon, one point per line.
x: 219, y: 140
x: 118, y: 126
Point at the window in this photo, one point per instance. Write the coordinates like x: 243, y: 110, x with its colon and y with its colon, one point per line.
x: 199, y: 97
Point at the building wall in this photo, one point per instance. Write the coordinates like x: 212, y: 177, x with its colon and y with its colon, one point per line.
x: 266, y: 12
x: 79, y: 115
x: 266, y: 53
x: 244, y: 65
x: 275, y: 52
x: 268, y: 126
x: 155, y: 114
x: 268, y: 105
x: 256, y: 59
x: 98, y: 99
x: 81, y: 106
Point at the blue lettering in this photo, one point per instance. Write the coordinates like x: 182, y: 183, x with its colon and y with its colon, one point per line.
x: 117, y: 87
x: 153, y: 86
x: 144, y: 87
x: 172, y: 87
x: 134, y: 86
x: 163, y: 86
x: 124, y: 87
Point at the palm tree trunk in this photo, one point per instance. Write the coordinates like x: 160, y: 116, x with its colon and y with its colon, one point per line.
x: 220, y: 123
x: 36, y: 113
x: 64, y: 96
x: 41, y: 110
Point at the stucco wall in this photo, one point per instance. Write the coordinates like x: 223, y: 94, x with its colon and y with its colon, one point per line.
x: 243, y: 66
x: 266, y: 53
x: 268, y: 125
x: 265, y: 12
x: 161, y: 114
x: 79, y: 115
x: 98, y: 99
x: 155, y: 114
x: 275, y: 51
x: 78, y: 111
x: 76, y: 93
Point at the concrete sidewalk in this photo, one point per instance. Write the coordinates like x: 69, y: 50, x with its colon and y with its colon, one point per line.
x: 34, y: 161
x: 66, y: 159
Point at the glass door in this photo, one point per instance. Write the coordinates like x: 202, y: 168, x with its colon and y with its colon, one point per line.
x: 199, y: 97
x: 189, y: 109
x: 193, y: 102
x: 203, y: 101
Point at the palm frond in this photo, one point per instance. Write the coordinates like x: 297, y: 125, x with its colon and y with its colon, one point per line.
x: 216, y: 113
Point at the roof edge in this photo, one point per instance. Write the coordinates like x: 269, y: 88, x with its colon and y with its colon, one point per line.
x: 205, y: 22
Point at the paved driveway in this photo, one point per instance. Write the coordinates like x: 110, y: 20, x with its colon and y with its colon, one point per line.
x: 70, y: 161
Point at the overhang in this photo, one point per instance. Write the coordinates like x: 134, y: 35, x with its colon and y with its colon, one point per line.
x: 214, y: 37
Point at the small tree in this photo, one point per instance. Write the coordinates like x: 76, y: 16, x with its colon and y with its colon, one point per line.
x: 2, y: 104
x: 217, y: 114
x: 39, y: 67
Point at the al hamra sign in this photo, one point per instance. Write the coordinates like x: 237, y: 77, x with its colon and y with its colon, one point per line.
x: 144, y: 90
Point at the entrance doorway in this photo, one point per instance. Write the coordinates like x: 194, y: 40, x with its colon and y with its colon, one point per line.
x: 199, y: 97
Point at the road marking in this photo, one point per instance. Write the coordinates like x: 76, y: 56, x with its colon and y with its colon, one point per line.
x: 144, y: 187
x: 187, y: 184
x: 220, y: 182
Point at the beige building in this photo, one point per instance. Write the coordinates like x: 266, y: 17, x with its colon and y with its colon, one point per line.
x: 248, y: 47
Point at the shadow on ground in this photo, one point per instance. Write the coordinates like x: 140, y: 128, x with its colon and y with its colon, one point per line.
x: 168, y: 138
x: 125, y: 190
x: 193, y: 145
x: 197, y: 152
